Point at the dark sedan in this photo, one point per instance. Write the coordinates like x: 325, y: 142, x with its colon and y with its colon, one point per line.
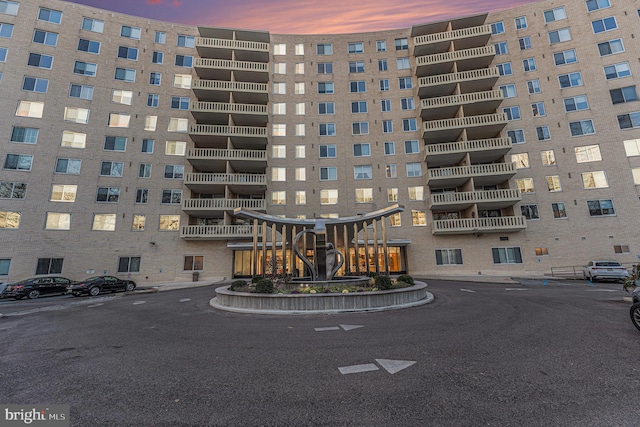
x: 95, y: 285
x: 34, y: 287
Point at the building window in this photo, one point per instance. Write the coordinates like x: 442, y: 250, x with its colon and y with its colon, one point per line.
x: 193, y: 263
x: 537, y: 109
x: 326, y: 108
x: 82, y: 91
x: 583, y: 127
x: 504, y: 69
x: 329, y: 197
x: 506, y: 255
x: 178, y: 125
x: 39, y: 36
x: 3, y: 55
x: 403, y: 63
x: 301, y: 174
x: 418, y: 218
x: 624, y: 94
x: 160, y: 37
x: 144, y: 170
x: 529, y: 64
x: 179, y: 103
x: 389, y: 149
x: 385, y: 105
x: 325, y: 87
x: 57, y: 221
x: 95, y: 25
x: 407, y: 104
x: 382, y: 65
x: 604, y: 24
x: 278, y: 174
x: 300, y: 108
x: 558, y: 36
x: 621, y: 249
x: 521, y: 22
x: 24, y: 135
x: 416, y: 193
x: 40, y: 61
x: 570, y: 80
x: 588, y: 153
x: 115, y: 143
x: 356, y: 66
x: 13, y: 190
x: 157, y: 57
x: 171, y: 197
x: 357, y: 86
x: 361, y: 150
x: 553, y: 183
x: 108, y: 194
x: 111, y: 168
x: 617, y: 71
x: 280, y: 68
x: 278, y: 151
x: 91, y: 46
x: 49, y: 265
x: 327, y: 129
x: 359, y: 107
x: 508, y: 91
x: 516, y: 136
x: 169, y: 222
x: 182, y: 81
x: 362, y: 172
x: 301, y: 197
x: 628, y: 121
x: 85, y: 68
x: 155, y: 79
x: 501, y: 48
x: 597, y: 4
x: 138, y: 222
x: 360, y: 128
x: 448, y: 256
x: 632, y: 147
x: 8, y: 8
x: 153, y: 100
x: 130, y: 32
x: 327, y: 151
x: 409, y: 125
x: 513, y: 113
x: 185, y: 41
x: 559, y: 210
x: 602, y: 207
x: 150, y: 123
x: 173, y: 171
x: 414, y: 169
x: 184, y: 61
x: 395, y: 220
x: 576, y: 103
x: 49, y: 15
x: 521, y: 160
x: 9, y: 219
x: 384, y: 85
x: 556, y: 14
x: 76, y: 115
x: 73, y: 139
x: 391, y: 171
x: 68, y: 166
x: 405, y: 83
x: 325, y: 67
x: 125, y: 74
x: 18, y: 162
x: 381, y: 46
x: 525, y: 43
x: 147, y: 146
x: 129, y: 264
x: 543, y: 133
x: 324, y: 49
x: 142, y: 196
x: 364, y: 195
x: 610, y: 47
x: 525, y: 185
x: 497, y: 28
x: 30, y: 109
x: 328, y: 174
x: 597, y: 179
x: 392, y: 195
x: 565, y: 57
x: 530, y: 211
x: 355, y: 47
x: 548, y: 158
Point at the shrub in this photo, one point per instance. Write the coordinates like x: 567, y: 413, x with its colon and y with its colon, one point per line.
x: 383, y: 282
x: 406, y: 279
x: 237, y: 285
x: 264, y: 286
x: 256, y: 279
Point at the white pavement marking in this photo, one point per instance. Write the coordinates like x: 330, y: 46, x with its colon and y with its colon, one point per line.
x: 602, y: 290
x: 468, y: 290
x: 350, y: 327
x: 393, y: 366
x: 95, y: 305
x: 515, y: 289
x: 139, y: 302
x: 331, y: 328
x: 355, y: 369
x: 185, y: 299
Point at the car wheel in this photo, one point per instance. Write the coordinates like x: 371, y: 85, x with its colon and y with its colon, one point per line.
x: 33, y: 294
x: 94, y: 291
x: 130, y: 287
x: 635, y: 315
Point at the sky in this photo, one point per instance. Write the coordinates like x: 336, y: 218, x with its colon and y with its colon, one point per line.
x: 303, y: 16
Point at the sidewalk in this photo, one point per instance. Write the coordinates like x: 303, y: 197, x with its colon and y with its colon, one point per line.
x: 160, y: 287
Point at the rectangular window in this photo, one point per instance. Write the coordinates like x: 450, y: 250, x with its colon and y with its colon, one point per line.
x: 513, y: 113
x: 108, y: 194
x: 384, y: 85
x: 617, y: 71
x: 414, y: 169
x: 621, y: 249
x: 448, y: 256
x: 559, y: 210
x: 53, y: 16
x: 416, y: 193
x: 553, y: 183
x: 497, y: 28
x: 405, y: 83
x: 382, y: 65
x: 403, y: 63
x: 124, y: 97
x: 610, y: 47
x: 111, y: 168
x: 596, y: 179
x: 559, y: 36
x: 278, y: 174
x: 280, y: 68
x: 360, y: 150
x: 30, y: 109
x: 144, y: 170
x: 104, y: 222
x: 604, y: 24
x: 501, y: 48
x: 169, y: 222
x: 407, y: 104
x: 68, y: 166
x: 392, y: 195
x: 325, y: 67
x: 186, y: 41
x: 182, y: 81
x: 298, y: 88
x: 504, y: 69
x: 329, y: 197
x: 13, y: 190
x: 597, y: 4
x: 160, y: 37
x: 179, y: 103
x: 327, y: 129
x: 409, y: 125
x: 129, y: 264
x: 33, y: 84
x: 76, y: 115
x: 555, y: 14
x: 582, y: 127
x: 357, y: 86
x: 362, y: 172
x: 389, y: 148
x: 117, y: 120
x: 525, y: 185
x: 624, y: 94
x: 521, y: 22
x: 356, y: 66
x: 125, y: 74
x: 385, y: 105
x: 328, y: 174
x: 516, y: 136
x: 628, y: 121
x: 85, y: 68
x: 138, y: 222
x: 525, y: 43
x: 301, y: 174
x: 391, y: 170
x: 300, y: 129
x: 359, y: 107
x: 537, y: 109
x: 73, y: 139
x: 356, y: 47
x: 299, y: 49
x: 521, y: 160
x: 299, y: 68
x: 381, y: 46
x: 25, y: 135
x: 529, y: 64
x: 126, y: 52
x: 301, y: 197
x: 402, y: 44
x: 81, y: 91
x: 39, y: 36
x: 115, y: 143
x: 193, y: 263
x: 570, y: 80
x: 325, y: 87
x: 40, y: 60
x: 3, y: 54
x: 279, y: 49
x: 324, y: 49
x: 150, y: 123
x: 326, y: 108
x: 63, y: 193
x: 184, y: 61
x: 153, y: 100
x: 364, y: 195
x: 55, y: 221
x: 565, y: 57
x: 360, y: 128
x: 327, y: 151
x: 157, y: 57
x: 418, y: 218
x: 588, y: 153
x: 91, y: 46
x: 175, y: 148
x: 8, y: 8
x: 173, y: 171
x: 95, y: 25
x: 411, y: 147
x: 508, y: 91
x: 602, y: 207
x: 548, y: 158
x: 543, y: 133
x: 171, y: 197
x: 506, y: 255
x: 632, y: 147
x: 530, y: 211
x: 387, y: 126
x: 278, y: 129
x: 576, y: 103
x: 130, y: 32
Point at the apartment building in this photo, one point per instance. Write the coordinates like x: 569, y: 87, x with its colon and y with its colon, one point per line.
x: 511, y: 139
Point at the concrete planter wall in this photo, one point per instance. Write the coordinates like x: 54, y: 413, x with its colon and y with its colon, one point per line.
x: 320, y: 303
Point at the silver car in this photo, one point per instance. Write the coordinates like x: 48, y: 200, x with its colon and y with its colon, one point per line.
x: 597, y: 270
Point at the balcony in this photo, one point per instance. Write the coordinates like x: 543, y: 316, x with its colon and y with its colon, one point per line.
x: 216, y: 232
x: 475, y: 103
x: 244, y: 50
x: 500, y: 224
x: 478, y: 127
x: 215, y: 159
x: 492, y: 199
x: 480, y: 151
x: 220, y: 69
x: 463, y: 38
x: 244, y: 114
x: 215, y: 183
x: 491, y: 174
x: 467, y: 59
x: 204, y: 208
x: 250, y: 137
x: 469, y: 81
x: 219, y: 90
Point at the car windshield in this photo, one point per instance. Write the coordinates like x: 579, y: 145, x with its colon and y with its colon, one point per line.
x: 608, y: 264
x: 91, y: 279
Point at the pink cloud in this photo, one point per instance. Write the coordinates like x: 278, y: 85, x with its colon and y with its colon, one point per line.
x: 176, y: 3
x: 154, y: 2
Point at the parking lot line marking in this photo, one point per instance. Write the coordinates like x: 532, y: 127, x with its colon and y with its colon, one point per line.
x: 350, y: 327
x: 393, y: 366
x: 95, y: 305
x: 602, y: 290
x: 515, y: 289
x: 468, y: 290
x: 330, y: 328
x: 355, y: 369
x: 185, y: 299
x: 139, y: 302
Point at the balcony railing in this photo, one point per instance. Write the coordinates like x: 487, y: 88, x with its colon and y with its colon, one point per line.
x: 227, y: 108
x: 232, y: 44
x: 224, y: 154
x: 212, y: 232
x: 476, y: 197
x: 468, y: 146
x: 465, y: 98
x: 223, y: 204
x: 222, y: 130
x: 458, y: 55
x: 225, y: 178
x: 230, y: 86
x: 463, y: 122
x: 225, y: 64
x: 479, y: 225
x: 463, y: 76
x: 472, y: 171
x: 482, y: 30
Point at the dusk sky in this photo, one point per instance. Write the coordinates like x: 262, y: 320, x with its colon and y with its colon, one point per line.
x: 303, y: 16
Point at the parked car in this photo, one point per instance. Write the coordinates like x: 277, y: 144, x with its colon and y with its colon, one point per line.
x: 635, y: 308
x: 97, y: 284
x: 612, y: 270
x: 36, y: 286
x: 2, y: 286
